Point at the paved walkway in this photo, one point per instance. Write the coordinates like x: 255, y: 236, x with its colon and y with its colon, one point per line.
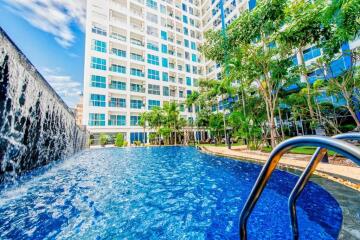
x: 330, y: 171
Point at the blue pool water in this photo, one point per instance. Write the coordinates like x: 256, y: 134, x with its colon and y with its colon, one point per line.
x: 157, y: 193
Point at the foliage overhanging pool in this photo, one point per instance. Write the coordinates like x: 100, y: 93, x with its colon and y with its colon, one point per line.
x: 157, y: 193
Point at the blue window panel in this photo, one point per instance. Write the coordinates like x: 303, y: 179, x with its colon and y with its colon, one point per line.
x: 151, y: 4
x: 153, y: 103
x: 213, y: 108
x: 311, y: 53
x: 98, y: 81
x: 272, y: 45
x: 98, y: 30
x: 186, y: 43
x: 315, y: 75
x: 152, y: 59
x: 136, y: 104
x: 137, y: 72
x: 96, y: 119
x: 188, y: 81
x: 294, y: 60
x: 166, y: 91
x: 188, y: 69
x: 118, y: 52
x: 184, y: 7
x: 165, y: 76
x: 188, y: 92
x: 193, y: 57
x: 97, y: 100
x: 252, y: 4
x: 118, y: 68
x: 152, y: 47
x: 165, y: 62
x: 134, y: 120
x: 182, y: 107
x: 117, y: 102
x: 117, y: 120
x: 99, y: 46
x: 163, y: 35
x: 117, y: 85
x: 193, y: 46
x: 164, y: 48
x: 337, y: 67
x: 185, y: 19
x: 98, y: 63
x: 153, y: 74
x: 138, y: 136
x: 186, y: 31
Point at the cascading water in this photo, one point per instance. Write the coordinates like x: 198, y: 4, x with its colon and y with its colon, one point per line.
x: 36, y: 126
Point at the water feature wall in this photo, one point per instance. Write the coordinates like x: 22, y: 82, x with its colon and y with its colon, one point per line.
x: 36, y: 126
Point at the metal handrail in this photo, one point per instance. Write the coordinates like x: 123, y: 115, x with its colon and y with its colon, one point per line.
x: 305, y: 176
x: 339, y: 146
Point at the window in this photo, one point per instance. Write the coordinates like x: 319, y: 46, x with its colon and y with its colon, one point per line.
x: 181, y: 93
x: 195, y: 82
x: 193, y: 57
x: 153, y: 103
x: 165, y: 91
x: 98, y: 81
x: 184, y: 7
x: 137, y: 104
x: 153, y: 74
x: 96, y: 119
x: 311, y: 53
x: 97, y: 100
x: 98, y: 63
x: 136, y: 87
x: 162, y: 9
x: 154, y: 89
x: 151, y: 4
x: 186, y: 43
x: 136, y: 57
x: 152, y: 46
x: 98, y: 30
x: 185, y: 19
x: 165, y: 62
x: 117, y: 102
x: 165, y: 76
x: 182, y: 107
x: 193, y: 46
x: 186, y: 31
x: 188, y: 81
x: 187, y: 66
x: 134, y: 120
x: 117, y: 120
x: 117, y: 85
x: 153, y: 59
x: 164, y: 48
x: 163, y: 35
x: 99, y: 46
x: 118, y: 68
x: 136, y: 72
x: 118, y: 52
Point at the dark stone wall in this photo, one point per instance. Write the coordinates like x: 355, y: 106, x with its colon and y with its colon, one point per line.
x: 36, y: 126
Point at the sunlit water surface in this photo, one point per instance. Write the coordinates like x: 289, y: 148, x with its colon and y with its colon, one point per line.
x: 157, y: 193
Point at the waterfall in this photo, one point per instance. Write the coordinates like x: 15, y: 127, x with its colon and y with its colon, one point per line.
x: 36, y: 126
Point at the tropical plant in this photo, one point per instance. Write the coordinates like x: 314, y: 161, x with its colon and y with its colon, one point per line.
x: 103, y: 139
x: 119, y: 141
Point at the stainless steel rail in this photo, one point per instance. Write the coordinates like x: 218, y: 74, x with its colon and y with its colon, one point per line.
x: 304, y: 178
x: 339, y: 146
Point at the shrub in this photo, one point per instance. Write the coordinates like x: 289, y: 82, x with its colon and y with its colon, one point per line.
x: 137, y: 143
x: 119, y: 141
x: 103, y: 139
x: 125, y: 144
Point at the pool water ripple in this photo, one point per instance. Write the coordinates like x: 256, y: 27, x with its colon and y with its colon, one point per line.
x: 157, y: 193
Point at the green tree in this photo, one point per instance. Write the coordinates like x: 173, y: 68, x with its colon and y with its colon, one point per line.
x: 119, y: 141
x: 155, y: 119
x: 144, y: 116
x: 216, y: 125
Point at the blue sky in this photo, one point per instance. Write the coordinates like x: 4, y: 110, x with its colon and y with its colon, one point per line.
x: 51, y: 34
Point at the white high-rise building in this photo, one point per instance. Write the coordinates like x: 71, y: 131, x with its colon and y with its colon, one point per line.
x: 140, y: 54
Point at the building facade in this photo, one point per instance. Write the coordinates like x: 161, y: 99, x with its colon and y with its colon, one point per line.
x: 143, y: 53
x: 138, y: 55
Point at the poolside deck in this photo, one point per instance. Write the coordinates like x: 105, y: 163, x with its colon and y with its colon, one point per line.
x: 347, y: 175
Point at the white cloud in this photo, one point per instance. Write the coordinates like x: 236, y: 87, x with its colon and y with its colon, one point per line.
x: 52, y: 16
x: 68, y: 89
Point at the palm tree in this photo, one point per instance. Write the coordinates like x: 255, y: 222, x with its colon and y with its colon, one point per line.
x: 155, y: 119
x: 172, y: 114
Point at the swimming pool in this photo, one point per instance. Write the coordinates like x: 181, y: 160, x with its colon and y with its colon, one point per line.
x: 157, y: 193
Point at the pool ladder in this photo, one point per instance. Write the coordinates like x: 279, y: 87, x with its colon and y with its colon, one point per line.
x: 336, y: 143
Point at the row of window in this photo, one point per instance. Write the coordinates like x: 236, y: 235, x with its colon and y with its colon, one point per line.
x: 100, y: 81
x: 98, y: 119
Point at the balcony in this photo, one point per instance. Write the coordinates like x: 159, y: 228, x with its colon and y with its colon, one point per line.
x: 136, y: 72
